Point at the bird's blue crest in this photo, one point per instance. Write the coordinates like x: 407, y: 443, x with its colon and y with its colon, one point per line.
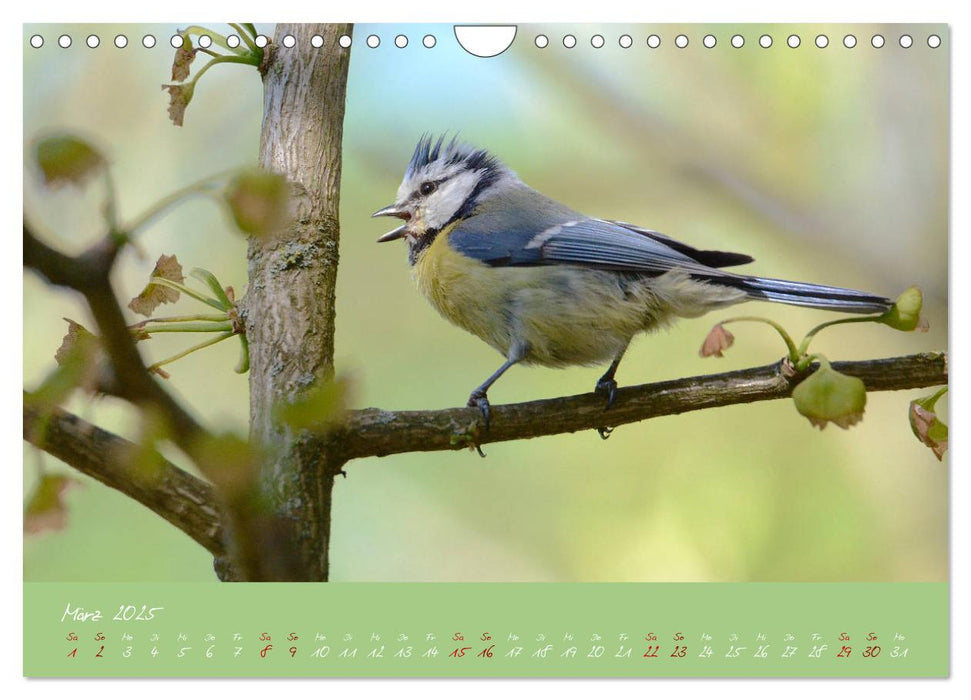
x: 430, y: 149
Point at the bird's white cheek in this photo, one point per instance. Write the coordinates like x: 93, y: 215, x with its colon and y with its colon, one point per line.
x: 441, y: 206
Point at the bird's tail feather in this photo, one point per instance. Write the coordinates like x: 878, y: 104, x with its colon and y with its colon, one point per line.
x: 816, y: 296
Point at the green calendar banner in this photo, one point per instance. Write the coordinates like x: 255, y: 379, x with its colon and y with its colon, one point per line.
x: 486, y: 630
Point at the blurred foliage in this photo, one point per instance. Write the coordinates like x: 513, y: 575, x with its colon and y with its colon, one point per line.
x: 828, y: 166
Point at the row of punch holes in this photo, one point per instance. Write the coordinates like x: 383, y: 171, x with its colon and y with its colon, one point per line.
x: 710, y: 41
x: 149, y: 41
x: 597, y: 41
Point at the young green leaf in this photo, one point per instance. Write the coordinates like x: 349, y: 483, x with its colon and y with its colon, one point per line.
x: 242, y: 366
x: 904, y: 315
x: 827, y: 396
x: 318, y: 408
x: 209, y: 279
x: 45, y: 508
x: 229, y: 461
x: 141, y: 457
x: 67, y: 160
x: 167, y: 267
x: 259, y: 202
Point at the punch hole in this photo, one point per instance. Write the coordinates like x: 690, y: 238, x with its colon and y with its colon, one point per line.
x: 261, y: 41
x: 541, y: 41
x: 205, y: 41
x: 877, y: 41
x: 597, y: 41
x: 64, y: 41
x: 36, y: 41
x: 401, y: 41
x: 232, y: 41
x: 569, y: 41
x: 793, y: 41
x: 625, y: 41
x: 373, y: 41
x: 934, y: 41
x: 176, y: 41
x: 121, y: 41
x: 148, y: 41
x: 738, y: 41
x: 906, y: 41
x: 765, y: 41
x: 681, y: 41
x: 822, y: 41
x: 709, y: 41
x: 316, y: 41
x: 289, y: 41
x: 93, y: 41
x: 849, y: 41
x: 653, y: 41
x: 428, y: 41
x: 485, y: 40
x: 344, y: 42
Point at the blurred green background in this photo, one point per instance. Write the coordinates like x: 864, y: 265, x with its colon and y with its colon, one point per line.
x: 827, y: 165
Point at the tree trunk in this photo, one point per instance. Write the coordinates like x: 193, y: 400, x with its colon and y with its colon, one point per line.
x: 290, y: 298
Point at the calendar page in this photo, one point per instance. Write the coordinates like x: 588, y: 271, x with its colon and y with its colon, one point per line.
x: 510, y: 350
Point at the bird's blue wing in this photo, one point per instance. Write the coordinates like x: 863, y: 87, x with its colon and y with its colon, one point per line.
x: 712, y: 258
x: 535, y: 230
x: 545, y: 233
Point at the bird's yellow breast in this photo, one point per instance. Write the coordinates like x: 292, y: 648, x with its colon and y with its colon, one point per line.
x: 464, y: 291
x: 558, y: 315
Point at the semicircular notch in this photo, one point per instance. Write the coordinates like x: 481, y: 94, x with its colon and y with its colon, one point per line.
x: 485, y: 40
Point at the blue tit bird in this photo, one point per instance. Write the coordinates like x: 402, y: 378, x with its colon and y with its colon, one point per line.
x: 546, y: 285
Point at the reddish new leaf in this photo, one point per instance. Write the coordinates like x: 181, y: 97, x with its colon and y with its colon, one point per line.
x: 716, y: 342
x: 928, y: 428
x: 184, y: 55
x: 167, y: 267
x: 179, y: 98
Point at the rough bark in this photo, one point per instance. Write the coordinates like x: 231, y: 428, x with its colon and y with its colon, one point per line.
x: 289, y: 304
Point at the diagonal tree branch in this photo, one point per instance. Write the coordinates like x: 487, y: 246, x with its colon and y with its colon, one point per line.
x: 180, y: 498
x: 375, y: 432
x: 90, y: 275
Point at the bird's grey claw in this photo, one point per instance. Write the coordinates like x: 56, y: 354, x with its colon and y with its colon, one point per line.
x: 604, y: 433
x: 608, y: 387
x: 478, y: 400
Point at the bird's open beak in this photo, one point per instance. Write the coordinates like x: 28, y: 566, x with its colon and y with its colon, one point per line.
x: 393, y: 235
x: 399, y: 232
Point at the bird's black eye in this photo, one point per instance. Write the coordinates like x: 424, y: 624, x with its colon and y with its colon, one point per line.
x: 427, y: 188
